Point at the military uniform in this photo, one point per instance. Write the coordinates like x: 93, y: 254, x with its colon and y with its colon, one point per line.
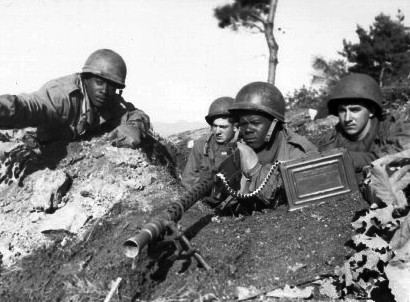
x: 385, y: 137
x: 205, y: 156
x: 61, y: 109
x: 386, y: 134
x: 287, y: 145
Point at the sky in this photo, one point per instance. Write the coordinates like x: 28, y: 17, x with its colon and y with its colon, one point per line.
x: 178, y: 59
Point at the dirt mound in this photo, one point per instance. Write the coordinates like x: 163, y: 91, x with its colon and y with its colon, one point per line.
x: 117, y: 190
x: 264, y: 250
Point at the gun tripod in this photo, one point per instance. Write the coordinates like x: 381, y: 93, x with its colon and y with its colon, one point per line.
x: 183, y: 246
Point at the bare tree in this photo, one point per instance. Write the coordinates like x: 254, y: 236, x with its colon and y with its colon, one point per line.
x: 256, y: 15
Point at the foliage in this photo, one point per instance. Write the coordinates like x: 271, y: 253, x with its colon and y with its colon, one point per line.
x: 387, y: 181
x: 305, y: 98
x: 383, y: 51
x: 381, y: 243
x: 397, y: 96
x: 245, y: 13
x: 328, y: 72
x: 255, y: 15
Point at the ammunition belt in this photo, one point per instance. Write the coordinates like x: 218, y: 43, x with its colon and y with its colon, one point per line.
x: 238, y: 195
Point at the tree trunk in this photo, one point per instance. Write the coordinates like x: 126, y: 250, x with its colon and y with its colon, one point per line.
x: 270, y: 39
x: 381, y: 77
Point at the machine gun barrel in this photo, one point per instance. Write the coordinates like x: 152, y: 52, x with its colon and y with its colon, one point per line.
x: 157, y: 225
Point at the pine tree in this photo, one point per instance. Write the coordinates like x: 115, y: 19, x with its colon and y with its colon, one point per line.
x: 257, y: 15
x: 383, y: 51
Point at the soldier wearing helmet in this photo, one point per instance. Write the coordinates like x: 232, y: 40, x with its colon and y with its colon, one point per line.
x: 260, y: 108
x: 79, y: 104
x: 209, y: 152
x: 362, y: 129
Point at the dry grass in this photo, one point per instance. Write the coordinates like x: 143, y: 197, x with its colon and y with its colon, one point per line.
x: 81, y: 289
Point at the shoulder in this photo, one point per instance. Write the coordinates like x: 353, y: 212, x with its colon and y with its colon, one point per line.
x: 67, y: 84
x: 200, y: 142
x: 328, y: 139
x: 393, y: 126
x: 299, y: 141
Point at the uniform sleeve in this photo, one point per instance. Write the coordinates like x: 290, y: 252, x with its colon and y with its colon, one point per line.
x: 306, y: 146
x: 267, y: 193
x: 191, y: 173
x: 266, y: 178
x: 138, y: 119
x: 45, y: 107
x: 327, y: 141
x: 397, y: 139
x: 362, y: 159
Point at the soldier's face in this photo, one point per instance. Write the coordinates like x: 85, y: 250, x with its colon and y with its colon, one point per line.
x: 355, y: 119
x: 224, y: 130
x: 99, y: 90
x: 253, y: 129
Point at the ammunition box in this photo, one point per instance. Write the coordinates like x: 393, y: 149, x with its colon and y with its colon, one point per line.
x: 318, y: 177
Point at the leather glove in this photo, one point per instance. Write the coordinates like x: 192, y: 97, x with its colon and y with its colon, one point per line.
x: 249, y: 159
x: 125, y: 136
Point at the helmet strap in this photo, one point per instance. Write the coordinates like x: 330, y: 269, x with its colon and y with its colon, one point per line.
x: 270, y: 131
x: 120, y: 92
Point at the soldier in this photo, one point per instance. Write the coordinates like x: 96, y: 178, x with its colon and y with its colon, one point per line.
x: 362, y: 129
x: 79, y: 104
x: 208, y: 152
x: 260, y: 108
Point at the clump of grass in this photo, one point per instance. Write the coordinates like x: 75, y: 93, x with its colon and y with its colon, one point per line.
x: 81, y: 289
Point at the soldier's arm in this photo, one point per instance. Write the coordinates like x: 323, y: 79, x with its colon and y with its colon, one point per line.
x: 399, y: 136
x: 362, y: 159
x: 269, y: 175
x: 190, y: 175
x: 42, y: 108
x: 138, y: 119
x: 130, y: 125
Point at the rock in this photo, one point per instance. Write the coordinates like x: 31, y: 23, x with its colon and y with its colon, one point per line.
x: 123, y: 156
x: 69, y: 219
x: 49, y: 187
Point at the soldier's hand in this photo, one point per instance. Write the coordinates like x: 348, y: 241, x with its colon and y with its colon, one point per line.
x: 126, y: 136
x: 249, y: 159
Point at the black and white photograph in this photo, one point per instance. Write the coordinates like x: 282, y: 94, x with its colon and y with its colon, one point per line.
x: 204, y: 150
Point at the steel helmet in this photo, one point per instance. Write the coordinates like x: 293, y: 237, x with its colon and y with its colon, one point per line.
x: 219, y: 107
x: 355, y: 86
x: 107, y: 64
x: 261, y: 97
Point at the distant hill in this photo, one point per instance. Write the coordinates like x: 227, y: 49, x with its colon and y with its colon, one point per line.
x: 166, y: 129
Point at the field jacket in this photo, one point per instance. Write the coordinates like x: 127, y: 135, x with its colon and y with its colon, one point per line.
x: 385, y: 137
x: 287, y: 145
x: 62, y: 110
x: 206, y: 155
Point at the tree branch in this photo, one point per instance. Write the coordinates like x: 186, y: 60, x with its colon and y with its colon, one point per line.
x: 253, y: 25
x: 257, y: 18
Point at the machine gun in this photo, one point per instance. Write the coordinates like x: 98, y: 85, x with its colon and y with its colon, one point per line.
x: 167, y: 221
